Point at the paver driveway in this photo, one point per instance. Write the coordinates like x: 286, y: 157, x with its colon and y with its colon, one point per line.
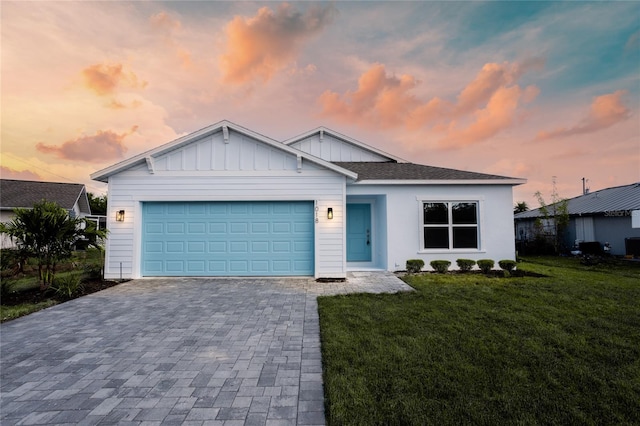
x: 174, y: 351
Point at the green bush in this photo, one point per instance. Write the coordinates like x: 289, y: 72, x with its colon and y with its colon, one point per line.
x: 68, y: 286
x: 507, y: 265
x: 7, y: 286
x: 414, y: 265
x: 440, y: 266
x: 465, y: 265
x: 486, y: 265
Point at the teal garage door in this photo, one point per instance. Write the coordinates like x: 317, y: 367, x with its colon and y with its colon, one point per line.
x: 227, y: 238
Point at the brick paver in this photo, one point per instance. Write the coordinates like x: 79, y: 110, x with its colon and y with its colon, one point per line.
x: 175, y: 351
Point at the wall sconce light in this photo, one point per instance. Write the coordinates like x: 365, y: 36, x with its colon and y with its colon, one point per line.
x: 120, y: 216
x: 330, y: 213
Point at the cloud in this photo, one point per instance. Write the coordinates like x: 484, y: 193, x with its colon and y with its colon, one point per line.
x: 169, y: 27
x: 9, y: 173
x: 379, y: 98
x: 103, y: 146
x: 104, y: 79
x: 259, y: 46
x: 487, y: 105
x: 606, y: 111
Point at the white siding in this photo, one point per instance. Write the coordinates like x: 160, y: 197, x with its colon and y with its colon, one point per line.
x: 403, y: 222
x: 333, y: 149
x: 212, y: 170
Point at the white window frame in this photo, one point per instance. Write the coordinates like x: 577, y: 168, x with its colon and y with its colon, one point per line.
x: 479, y: 201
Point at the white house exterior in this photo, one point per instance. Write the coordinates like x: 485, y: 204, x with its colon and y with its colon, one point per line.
x: 227, y: 201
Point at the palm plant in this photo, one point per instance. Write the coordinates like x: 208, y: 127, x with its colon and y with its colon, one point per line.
x: 49, y: 234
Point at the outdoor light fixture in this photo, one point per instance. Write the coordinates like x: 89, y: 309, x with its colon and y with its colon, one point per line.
x: 120, y: 216
x: 330, y: 213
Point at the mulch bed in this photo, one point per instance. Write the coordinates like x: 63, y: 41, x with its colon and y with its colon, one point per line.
x: 36, y: 296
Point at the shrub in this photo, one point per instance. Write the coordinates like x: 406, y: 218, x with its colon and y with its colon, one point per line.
x: 486, y: 265
x: 7, y: 286
x: 465, y: 265
x: 67, y: 286
x: 440, y: 266
x: 507, y: 265
x: 414, y: 265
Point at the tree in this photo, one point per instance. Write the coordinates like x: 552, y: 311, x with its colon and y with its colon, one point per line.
x: 98, y: 204
x: 521, y: 207
x: 556, y: 215
x: 48, y: 233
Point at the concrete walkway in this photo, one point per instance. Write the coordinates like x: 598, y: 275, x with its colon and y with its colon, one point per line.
x: 197, y: 351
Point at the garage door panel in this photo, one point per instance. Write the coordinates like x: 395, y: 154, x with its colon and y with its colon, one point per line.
x: 228, y: 238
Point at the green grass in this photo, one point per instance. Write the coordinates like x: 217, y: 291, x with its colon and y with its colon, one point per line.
x: 12, y: 312
x: 469, y: 349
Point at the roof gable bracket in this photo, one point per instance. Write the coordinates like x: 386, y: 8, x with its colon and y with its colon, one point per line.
x: 225, y: 133
x: 299, y: 168
x: 321, y: 135
x: 150, y: 164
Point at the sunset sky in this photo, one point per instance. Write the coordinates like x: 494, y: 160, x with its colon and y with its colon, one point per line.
x: 523, y: 89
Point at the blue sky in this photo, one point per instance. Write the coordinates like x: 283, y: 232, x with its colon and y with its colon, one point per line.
x: 524, y: 89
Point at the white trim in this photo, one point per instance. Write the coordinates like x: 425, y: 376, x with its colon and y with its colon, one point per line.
x: 103, y: 175
x: 478, y: 200
x: 323, y: 130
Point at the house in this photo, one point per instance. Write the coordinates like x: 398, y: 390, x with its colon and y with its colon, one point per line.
x: 611, y: 215
x: 227, y: 201
x: 24, y: 194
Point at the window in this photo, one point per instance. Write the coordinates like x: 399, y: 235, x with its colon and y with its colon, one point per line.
x: 450, y: 225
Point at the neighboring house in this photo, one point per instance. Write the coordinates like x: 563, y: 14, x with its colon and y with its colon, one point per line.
x: 24, y: 193
x: 610, y: 215
x: 227, y: 201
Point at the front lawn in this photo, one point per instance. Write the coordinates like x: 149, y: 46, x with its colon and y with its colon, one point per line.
x: 470, y: 349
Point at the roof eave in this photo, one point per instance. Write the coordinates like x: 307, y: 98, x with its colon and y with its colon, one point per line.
x: 345, y: 138
x: 512, y: 182
x: 104, y: 174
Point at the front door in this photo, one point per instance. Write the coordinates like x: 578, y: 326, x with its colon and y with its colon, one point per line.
x: 358, y: 232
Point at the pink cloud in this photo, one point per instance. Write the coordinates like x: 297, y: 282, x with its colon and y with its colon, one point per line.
x: 379, y: 98
x: 487, y: 105
x: 606, y: 111
x: 9, y: 173
x: 169, y: 27
x: 104, y: 79
x: 103, y: 146
x: 259, y: 46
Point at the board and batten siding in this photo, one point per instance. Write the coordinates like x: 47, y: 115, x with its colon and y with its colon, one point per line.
x: 330, y: 148
x: 212, y: 170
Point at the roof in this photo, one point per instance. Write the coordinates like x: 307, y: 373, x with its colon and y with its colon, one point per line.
x: 392, y: 171
x: 224, y: 126
x: 25, y: 193
x: 325, y: 131
x: 619, y: 198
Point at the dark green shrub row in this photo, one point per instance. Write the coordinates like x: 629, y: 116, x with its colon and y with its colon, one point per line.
x: 465, y: 265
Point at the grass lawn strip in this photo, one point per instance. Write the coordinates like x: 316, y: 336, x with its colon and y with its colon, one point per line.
x: 468, y: 349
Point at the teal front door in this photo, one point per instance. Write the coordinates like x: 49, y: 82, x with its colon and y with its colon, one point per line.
x: 358, y: 233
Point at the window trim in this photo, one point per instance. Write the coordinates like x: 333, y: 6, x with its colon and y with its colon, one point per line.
x: 478, y: 200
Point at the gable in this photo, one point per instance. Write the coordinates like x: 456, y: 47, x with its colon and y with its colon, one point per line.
x: 222, y: 147
x: 214, y: 152
x: 334, y: 147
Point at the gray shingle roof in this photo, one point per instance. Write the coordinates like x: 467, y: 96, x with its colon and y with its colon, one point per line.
x: 619, y: 198
x: 24, y: 193
x: 411, y: 171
